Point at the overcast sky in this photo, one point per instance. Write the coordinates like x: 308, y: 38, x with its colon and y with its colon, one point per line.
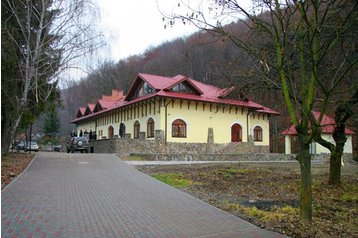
x: 133, y: 26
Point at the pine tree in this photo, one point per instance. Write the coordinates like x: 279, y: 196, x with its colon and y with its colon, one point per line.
x: 51, y: 124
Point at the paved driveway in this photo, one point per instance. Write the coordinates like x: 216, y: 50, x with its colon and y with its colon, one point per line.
x: 94, y: 195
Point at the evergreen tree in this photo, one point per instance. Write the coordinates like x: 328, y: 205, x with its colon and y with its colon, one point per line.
x: 51, y: 124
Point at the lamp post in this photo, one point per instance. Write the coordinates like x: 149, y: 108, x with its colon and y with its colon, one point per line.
x: 30, y: 138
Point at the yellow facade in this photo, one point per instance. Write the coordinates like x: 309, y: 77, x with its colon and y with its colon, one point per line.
x: 198, y: 117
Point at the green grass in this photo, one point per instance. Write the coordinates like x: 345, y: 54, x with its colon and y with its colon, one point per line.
x: 174, y: 180
x: 350, y: 196
x: 133, y: 158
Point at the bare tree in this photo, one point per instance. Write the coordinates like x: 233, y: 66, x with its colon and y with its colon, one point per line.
x: 292, y: 43
x: 47, y: 36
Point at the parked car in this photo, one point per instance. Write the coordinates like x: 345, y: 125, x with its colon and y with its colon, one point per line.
x: 32, y: 146
x: 20, y: 146
x: 14, y: 145
x: 57, y: 148
x: 78, y: 144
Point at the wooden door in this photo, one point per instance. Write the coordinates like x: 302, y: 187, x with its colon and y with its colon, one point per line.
x: 236, y: 133
x: 110, y: 132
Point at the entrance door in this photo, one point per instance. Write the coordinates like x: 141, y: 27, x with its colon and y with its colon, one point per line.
x: 236, y: 133
x: 110, y: 132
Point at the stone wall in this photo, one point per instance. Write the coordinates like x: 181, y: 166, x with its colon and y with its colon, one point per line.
x: 157, y: 146
x: 322, y: 158
x: 216, y: 157
x: 158, y: 150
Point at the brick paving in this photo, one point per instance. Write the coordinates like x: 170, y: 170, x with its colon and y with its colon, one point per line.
x: 94, y: 195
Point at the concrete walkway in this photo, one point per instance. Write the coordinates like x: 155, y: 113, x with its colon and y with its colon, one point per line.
x: 94, y: 195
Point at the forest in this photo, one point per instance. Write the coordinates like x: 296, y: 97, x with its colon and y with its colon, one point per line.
x: 203, y: 56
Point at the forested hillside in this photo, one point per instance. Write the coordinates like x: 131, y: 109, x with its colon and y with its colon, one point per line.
x: 203, y: 57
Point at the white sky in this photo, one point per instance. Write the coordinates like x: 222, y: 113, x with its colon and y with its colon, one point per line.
x: 133, y: 26
x: 136, y: 25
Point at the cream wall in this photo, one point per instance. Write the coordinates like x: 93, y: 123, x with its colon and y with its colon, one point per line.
x: 262, y: 121
x: 128, y: 116
x: 198, y: 117
x: 348, y: 149
x: 86, y: 126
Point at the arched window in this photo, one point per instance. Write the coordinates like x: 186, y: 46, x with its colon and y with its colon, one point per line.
x: 150, y: 128
x: 257, y: 133
x: 110, y: 132
x: 236, y: 133
x: 122, y: 130
x: 178, y: 128
x: 136, y: 130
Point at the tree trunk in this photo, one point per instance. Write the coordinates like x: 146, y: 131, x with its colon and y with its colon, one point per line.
x: 9, y: 134
x: 5, y: 141
x: 304, y: 159
x: 335, y: 167
x: 335, y: 164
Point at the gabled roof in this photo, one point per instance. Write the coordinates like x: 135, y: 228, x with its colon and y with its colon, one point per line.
x: 89, y: 108
x: 182, y: 79
x: 163, y: 86
x: 328, y: 124
x: 81, y: 112
x: 103, y: 104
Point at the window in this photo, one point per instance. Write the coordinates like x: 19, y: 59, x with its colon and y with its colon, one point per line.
x: 136, y: 129
x: 257, y: 133
x: 183, y: 87
x: 143, y: 89
x: 150, y: 128
x: 122, y: 130
x: 147, y: 89
x: 179, y: 128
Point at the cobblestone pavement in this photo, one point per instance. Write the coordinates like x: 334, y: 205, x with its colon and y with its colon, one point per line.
x: 94, y: 195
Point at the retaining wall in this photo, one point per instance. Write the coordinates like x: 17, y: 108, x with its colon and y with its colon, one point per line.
x: 156, y: 150
x: 126, y: 145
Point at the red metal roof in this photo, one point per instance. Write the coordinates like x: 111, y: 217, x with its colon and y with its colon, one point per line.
x: 327, y: 123
x: 162, y: 86
x: 158, y: 82
x: 81, y: 112
x: 89, y: 108
x: 106, y: 104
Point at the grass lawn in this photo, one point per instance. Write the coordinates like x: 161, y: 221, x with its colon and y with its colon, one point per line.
x: 268, y: 194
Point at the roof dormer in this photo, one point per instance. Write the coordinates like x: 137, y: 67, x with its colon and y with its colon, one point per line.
x: 184, y: 85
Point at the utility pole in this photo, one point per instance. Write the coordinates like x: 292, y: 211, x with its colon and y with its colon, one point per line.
x: 30, y: 138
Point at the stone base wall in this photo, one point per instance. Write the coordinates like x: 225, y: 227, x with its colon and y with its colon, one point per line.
x: 216, y: 157
x: 127, y: 146
x: 157, y: 150
x: 347, y: 158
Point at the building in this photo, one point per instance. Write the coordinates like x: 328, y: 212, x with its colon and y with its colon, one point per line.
x: 179, y: 109
x: 327, y: 125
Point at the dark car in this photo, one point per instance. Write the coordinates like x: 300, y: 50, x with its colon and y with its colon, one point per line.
x: 57, y: 148
x: 78, y: 144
